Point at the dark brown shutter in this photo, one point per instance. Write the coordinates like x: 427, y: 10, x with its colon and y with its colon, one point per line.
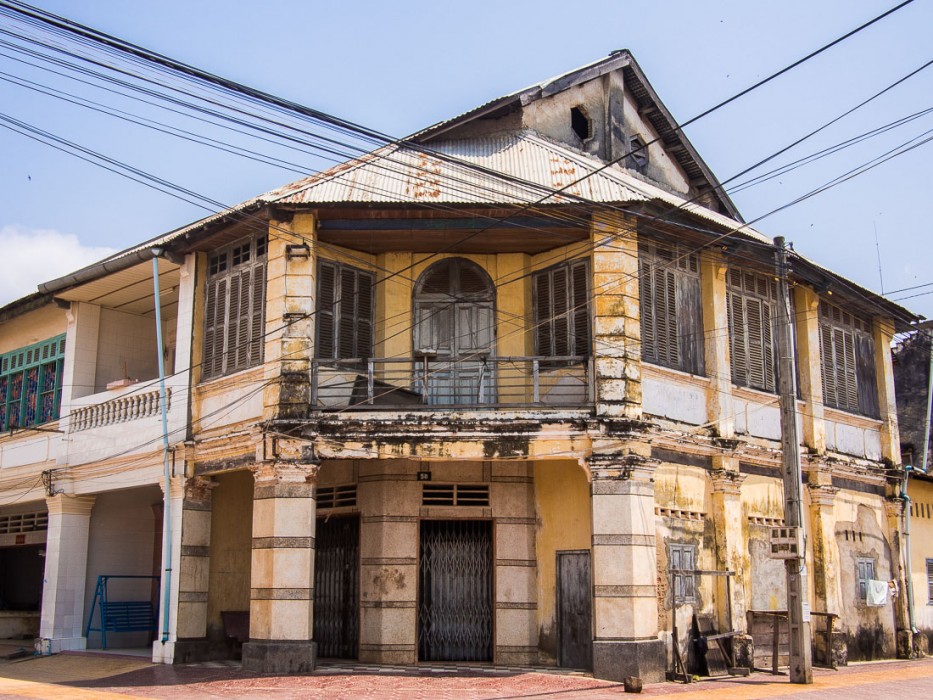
x: 364, y: 315
x: 865, y: 376
x: 560, y: 285
x: 326, y: 307
x: 690, y: 324
x: 649, y: 342
x: 543, y: 315
x: 346, y: 328
x: 737, y: 350
x: 581, y: 309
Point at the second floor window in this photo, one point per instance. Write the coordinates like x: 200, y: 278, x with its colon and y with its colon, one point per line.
x: 31, y: 384
x: 671, y: 311
x: 562, y: 310
x: 234, y: 309
x: 752, y: 299
x: 847, y: 353
x: 344, y: 312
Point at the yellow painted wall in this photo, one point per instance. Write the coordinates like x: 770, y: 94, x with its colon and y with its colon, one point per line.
x: 231, y: 541
x: 921, y: 550
x: 32, y: 327
x: 562, y: 502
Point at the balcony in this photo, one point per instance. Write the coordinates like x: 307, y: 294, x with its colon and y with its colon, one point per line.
x: 475, y: 382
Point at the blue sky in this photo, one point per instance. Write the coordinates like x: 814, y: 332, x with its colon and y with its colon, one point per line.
x: 398, y: 67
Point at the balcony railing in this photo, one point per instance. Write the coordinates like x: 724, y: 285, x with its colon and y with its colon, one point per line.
x: 119, y: 410
x: 432, y: 381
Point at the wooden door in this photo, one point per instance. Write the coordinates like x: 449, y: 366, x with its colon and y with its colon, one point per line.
x: 574, y: 610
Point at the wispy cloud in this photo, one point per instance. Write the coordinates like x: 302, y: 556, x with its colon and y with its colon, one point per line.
x: 31, y: 256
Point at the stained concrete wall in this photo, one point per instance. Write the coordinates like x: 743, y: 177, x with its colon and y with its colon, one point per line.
x: 231, y: 547
x: 124, y: 539
x: 126, y: 348
x: 563, y: 522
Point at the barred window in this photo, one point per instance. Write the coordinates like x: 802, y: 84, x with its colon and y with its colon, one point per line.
x: 752, y: 301
x: 847, y: 352
x: 31, y: 384
x: 344, y: 312
x: 234, y: 311
x: 562, y: 310
x: 671, y: 307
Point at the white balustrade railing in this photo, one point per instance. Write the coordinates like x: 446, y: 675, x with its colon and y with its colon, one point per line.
x: 120, y: 410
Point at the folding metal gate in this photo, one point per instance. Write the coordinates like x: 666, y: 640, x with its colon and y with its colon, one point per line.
x: 337, y: 586
x: 455, y: 591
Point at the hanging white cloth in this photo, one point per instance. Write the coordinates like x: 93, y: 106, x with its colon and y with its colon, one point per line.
x: 876, y: 592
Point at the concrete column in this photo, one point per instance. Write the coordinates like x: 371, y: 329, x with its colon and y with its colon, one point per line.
x: 826, y: 577
x: 731, y: 541
x: 616, y: 329
x: 719, y: 406
x: 61, y: 626
x: 282, y: 570
x: 894, y: 514
x: 882, y: 332
x: 193, y: 576
x: 810, y: 367
x: 624, y: 570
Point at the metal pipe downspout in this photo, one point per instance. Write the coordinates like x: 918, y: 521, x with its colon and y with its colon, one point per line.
x: 166, y: 509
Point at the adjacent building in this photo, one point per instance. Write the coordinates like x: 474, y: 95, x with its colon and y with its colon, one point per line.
x: 504, y: 392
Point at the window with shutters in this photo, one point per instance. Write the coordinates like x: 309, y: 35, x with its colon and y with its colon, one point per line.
x: 671, y: 307
x: 847, y: 352
x: 562, y: 310
x: 752, y: 299
x: 344, y: 312
x: 682, y: 558
x: 31, y: 384
x: 864, y: 572
x: 930, y: 581
x: 234, y: 310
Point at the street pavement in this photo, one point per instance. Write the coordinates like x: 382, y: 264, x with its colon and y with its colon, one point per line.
x: 97, y: 676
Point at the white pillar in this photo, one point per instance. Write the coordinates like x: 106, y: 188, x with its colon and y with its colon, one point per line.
x: 62, y: 623
x: 164, y: 652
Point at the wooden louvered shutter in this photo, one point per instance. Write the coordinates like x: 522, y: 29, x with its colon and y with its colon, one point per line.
x: 665, y: 296
x: 561, y: 291
x: 754, y: 317
x: 738, y: 347
x: 649, y: 342
x: 767, y: 345
x: 258, y: 315
x: 346, y: 323
x: 827, y: 357
x: 581, y: 309
x: 216, y: 313
x: 543, y: 315
x: 238, y: 353
x: 865, y: 376
x: 364, y: 315
x: 326, y: 307
x: 690, y: 323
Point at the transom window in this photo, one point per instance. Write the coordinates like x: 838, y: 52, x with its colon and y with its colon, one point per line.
x: 848, y: 361
x: 752, y: 300
x: 31, y: 384
x: 234, y: 310
x: 671, y: 307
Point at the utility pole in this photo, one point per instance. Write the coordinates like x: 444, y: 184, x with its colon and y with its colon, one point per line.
x: 798, y: 605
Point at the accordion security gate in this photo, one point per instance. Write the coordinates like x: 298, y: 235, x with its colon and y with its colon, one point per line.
x: 337, y: 586
x: 455, y: 591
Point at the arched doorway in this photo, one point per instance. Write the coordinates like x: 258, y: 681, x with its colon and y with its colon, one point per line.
x: 454, y: 333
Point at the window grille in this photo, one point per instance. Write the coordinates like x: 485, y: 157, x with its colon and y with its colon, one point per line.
x: 683, y: 557
x: 865, y: 572
x: 847, y: 352
x: 930, y: 581
x: 562, y: 310
x: 31, y: 384
x: 234, y: 310
x: 344, y: 312
x: 455, y: 495
x: 671, y: 307
x: 336, y: 496
x: 23, y: 522
x: 751, y: 306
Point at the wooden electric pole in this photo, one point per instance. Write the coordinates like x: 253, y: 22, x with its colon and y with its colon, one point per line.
x: 798, y: 606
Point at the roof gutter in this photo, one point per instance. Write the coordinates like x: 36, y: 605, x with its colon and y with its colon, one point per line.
x: 107, y: 267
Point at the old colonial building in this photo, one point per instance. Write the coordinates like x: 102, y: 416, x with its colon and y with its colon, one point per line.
x: 500, y: 393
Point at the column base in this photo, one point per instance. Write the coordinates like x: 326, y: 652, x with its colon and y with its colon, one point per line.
x: 645, y: 659
x: 270, y: 656
x: 55, y: 645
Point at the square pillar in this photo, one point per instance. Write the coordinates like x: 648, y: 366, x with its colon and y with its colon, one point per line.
x: 826, y: 575
x: 282, y: 575
x: 882, y: 333
x: 810, y: 367
x: 61, y: 626
x: 624, y: 570
x: 731, y: 543
x: 719, y: 406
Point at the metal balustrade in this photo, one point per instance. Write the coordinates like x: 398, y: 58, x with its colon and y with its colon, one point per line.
x: 120, y: 410
x: 476, y: 382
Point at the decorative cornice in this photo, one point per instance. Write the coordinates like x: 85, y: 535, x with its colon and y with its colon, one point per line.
x: 727, y: 481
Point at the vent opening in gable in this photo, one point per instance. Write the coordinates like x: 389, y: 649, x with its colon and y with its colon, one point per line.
x: 580, y: 123
x: 638, y: 154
